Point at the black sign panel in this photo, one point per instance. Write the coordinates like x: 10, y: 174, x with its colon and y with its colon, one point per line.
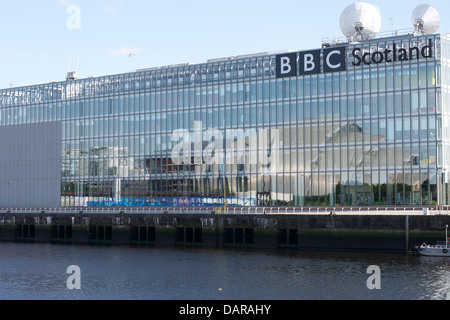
x: 287, y: 65
x: 311, y: 62
x: 334, y: 60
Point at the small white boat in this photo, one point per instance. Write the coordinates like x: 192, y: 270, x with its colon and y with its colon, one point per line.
x: 440, y: 249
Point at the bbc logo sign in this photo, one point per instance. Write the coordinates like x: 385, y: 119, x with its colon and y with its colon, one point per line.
x: 310, y: 62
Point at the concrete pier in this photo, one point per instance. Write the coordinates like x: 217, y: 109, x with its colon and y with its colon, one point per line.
x: 396, y: 231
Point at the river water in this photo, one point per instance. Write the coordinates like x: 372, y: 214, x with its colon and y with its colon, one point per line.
x: 39, y: 272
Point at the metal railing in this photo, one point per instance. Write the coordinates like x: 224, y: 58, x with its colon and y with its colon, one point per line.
x: 272, y: 210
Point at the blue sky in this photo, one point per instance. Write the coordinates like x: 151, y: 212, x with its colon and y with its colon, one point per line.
x: 40, y: 36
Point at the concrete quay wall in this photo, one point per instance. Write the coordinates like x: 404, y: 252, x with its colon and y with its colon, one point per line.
x: 397, y: 232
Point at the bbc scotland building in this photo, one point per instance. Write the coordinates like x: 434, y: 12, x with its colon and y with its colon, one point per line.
x: 350, y: 124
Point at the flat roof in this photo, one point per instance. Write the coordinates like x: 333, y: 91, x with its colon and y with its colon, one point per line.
x: 326, y: 42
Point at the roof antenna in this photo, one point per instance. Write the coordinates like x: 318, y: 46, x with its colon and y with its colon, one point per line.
x: 76, y: 67
x: 72, y: 75
x: 392, y: 25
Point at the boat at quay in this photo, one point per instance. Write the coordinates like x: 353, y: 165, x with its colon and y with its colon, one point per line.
x: 440, y: 249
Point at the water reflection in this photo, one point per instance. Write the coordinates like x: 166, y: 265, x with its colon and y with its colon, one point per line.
x: 38, y: 271
x: 436, y: 282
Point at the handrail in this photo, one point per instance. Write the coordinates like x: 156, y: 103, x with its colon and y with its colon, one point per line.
x: 279, y: 210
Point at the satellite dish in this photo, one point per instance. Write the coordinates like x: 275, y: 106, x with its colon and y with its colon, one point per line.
x: 360, y: 21
x: 425, y: 19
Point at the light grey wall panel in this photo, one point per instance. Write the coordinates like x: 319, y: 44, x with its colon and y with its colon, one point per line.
x: 30, y: 165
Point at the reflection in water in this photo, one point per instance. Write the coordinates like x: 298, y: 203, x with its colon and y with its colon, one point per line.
x: 436, y: 283
x: 38, y: 271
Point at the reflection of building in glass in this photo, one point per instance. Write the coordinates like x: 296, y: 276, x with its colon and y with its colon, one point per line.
x: 368, y: 135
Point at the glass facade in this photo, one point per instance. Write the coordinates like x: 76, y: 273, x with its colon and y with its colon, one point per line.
x: 371, y: 135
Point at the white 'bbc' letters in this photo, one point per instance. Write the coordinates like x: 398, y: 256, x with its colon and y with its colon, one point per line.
x: 310, y: 62
x: 285, y: 65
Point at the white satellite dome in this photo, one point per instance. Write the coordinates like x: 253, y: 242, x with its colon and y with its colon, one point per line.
x: 360, y: 21
x: 425, y: 19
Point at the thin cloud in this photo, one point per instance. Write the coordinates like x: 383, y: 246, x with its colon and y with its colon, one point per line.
x: 124, y: 52
x: 65, y: 3
x: 112, y: 5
